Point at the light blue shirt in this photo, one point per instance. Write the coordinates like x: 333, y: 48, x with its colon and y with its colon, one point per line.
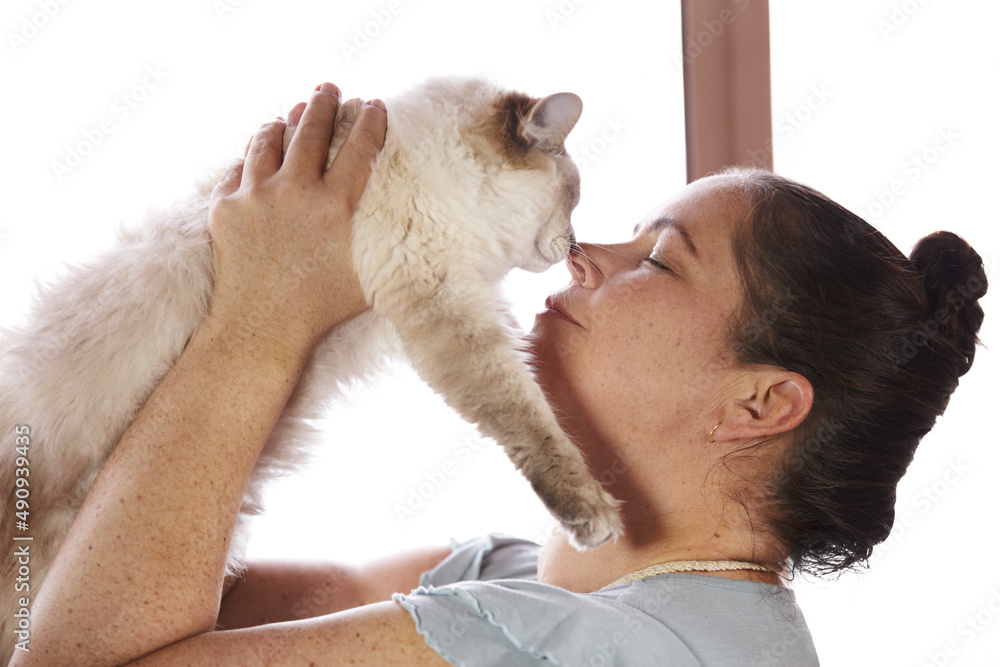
x: 482, y: 606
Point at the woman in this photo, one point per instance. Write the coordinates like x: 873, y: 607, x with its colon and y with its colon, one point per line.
x: 750, y: 374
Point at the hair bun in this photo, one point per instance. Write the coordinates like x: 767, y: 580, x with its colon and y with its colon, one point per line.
x: 954, y: 279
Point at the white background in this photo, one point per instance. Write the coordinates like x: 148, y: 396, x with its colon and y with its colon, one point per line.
x: 860, y: 87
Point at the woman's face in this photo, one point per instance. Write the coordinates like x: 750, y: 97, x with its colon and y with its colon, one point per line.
x: 633, y: 348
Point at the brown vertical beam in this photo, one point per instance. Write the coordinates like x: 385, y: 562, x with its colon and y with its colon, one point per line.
x: 727, y: 84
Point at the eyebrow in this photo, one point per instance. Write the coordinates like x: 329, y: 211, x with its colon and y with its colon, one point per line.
x: 667, y: 222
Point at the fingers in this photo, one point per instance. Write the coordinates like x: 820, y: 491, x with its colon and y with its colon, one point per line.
x: 311, y: 143
x: 230, y: 181
x: 263, y: 158
x: 352, y: 166
x: 309, y: 147
x: 295, y: 115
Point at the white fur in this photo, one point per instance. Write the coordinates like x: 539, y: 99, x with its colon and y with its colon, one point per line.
x: 443, y: 218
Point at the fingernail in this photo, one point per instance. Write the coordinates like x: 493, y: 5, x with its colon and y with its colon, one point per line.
x: 329, y: 88
x: 377, y: 103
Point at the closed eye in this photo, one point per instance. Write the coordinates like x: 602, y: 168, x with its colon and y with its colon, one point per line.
x: 656, y: 264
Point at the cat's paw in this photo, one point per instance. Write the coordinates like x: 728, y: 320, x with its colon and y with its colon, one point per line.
x: 594, y: 521
x: 561, y: 479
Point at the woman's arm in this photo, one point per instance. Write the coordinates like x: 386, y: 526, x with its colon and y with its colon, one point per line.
x: 142, y: 565
x: 273, y: 592
x: 376, y: 635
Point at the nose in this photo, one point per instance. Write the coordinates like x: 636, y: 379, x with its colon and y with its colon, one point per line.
x: 582, y: 265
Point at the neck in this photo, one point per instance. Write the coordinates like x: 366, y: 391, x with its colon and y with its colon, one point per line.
x: 584, y: 572
x: 666, y: 516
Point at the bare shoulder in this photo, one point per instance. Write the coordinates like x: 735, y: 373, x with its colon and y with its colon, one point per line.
x: 381, y: 634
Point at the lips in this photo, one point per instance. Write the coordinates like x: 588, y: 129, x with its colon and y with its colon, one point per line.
x: 555, y: 306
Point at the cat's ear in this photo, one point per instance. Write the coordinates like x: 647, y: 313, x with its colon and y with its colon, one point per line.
x: 551, y: 118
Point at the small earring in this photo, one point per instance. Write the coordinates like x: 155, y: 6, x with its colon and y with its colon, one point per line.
x: 711, y: 436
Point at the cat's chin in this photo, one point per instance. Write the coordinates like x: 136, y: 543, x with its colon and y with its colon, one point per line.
x: 536, y: 265
x: 545, y: 255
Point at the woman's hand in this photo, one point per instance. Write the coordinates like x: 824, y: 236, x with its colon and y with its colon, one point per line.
x: 143, y: 562
x: 281, y: 230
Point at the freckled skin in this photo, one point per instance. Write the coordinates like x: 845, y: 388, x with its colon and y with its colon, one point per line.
x: 642, y: 374
x: 643, y: 329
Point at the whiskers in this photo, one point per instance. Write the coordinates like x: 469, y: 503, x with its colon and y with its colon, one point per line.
x: 580, y: 251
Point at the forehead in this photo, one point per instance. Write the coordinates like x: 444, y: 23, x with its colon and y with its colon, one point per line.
x: 707, y: 207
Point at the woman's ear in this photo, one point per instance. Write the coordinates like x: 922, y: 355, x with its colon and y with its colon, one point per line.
x: 778, y: 401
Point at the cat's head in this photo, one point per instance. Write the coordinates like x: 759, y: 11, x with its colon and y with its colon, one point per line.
x: 498, y: 158
x: 528, y: 135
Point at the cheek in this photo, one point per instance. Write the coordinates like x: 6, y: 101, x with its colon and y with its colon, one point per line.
x: 635, y: 359
x: 652, y: 347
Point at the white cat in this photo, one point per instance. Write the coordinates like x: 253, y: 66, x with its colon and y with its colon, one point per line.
x: 473, y: 180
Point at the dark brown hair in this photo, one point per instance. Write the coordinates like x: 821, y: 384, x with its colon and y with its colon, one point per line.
x: 882, y: 338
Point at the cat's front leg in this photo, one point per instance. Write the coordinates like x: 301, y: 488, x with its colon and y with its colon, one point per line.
x: 465, y: 352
